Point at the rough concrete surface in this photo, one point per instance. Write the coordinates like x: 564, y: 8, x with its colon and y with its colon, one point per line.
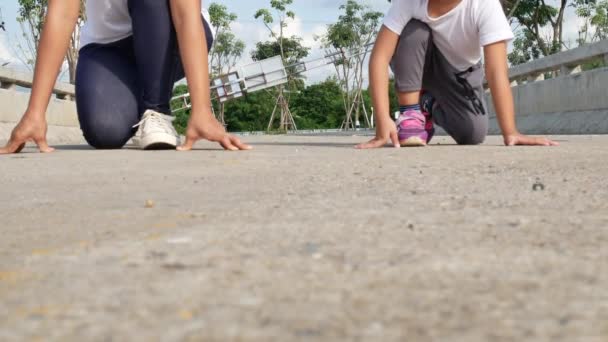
x: 305, y: 238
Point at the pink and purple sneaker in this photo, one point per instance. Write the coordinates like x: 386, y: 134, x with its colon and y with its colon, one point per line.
x: 415, y: 128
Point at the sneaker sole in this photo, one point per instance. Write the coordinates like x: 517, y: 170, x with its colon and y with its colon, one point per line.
x: 159, y: 142
x: 412, y: 142
x: 159, y: 147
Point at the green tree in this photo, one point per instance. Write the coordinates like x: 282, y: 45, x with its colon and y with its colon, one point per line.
x: 289, y: 48
x: 595, y: 16
x: 227, y: 48
x: 319, y: 106
x: 32, y: 14
x: 533, y: 39
x: 594, y: 28
x: 180, y: 111
x: 510, y: 6
x: 349, y: 39
x: 283, y: 14
x: 250, y: 113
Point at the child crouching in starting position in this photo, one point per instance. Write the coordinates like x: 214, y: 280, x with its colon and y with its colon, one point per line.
x: 434, y: 50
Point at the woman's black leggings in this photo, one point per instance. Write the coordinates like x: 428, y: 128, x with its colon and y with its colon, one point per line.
x: 117, y: 82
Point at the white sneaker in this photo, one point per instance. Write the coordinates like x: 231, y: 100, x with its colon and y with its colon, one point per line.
x: 156, y: 132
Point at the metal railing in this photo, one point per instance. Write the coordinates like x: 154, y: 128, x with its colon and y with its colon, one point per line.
x: 560, y: 64
x: 11, y: 79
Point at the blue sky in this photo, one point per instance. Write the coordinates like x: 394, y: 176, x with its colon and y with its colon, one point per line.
x: 312, y: 18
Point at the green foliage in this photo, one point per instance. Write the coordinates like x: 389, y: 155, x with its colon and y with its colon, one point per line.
x: 393, y: 96
x: 525, y: 48
x: 354, y: 28
x: 250, y: 113
x: 594, y: 64
x: 266, y: 16
x: 595, y: 16
x: 181, y: 117
x: 281, y: 7
x: 32, y: 14
x: 289, y: 48
x: 34, y: 10
x: 292, y: 49
x: 533, y: 16
x: 220, y: 17
x: 319, y: 106
x: 348, y: 39
x: 227, y: 48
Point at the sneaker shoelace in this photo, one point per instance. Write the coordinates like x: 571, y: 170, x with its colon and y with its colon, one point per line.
x: 155, y: 121
x: 410, y: 116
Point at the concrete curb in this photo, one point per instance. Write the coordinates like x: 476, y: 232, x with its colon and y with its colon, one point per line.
x: 59, y: 113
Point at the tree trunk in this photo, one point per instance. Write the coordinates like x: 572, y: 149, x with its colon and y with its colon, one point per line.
x: 72, y: 54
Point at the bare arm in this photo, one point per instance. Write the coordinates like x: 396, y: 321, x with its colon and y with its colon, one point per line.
x: 497, y: 73
x: 60, y: 21
x: 385, y: 46
x: 195, y: 58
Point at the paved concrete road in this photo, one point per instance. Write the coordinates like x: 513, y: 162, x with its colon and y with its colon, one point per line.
x: 305, y: 238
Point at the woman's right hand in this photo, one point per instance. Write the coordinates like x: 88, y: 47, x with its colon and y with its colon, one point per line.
x: 205, y: 126
x: 30, y: 128
x: 386, y: 131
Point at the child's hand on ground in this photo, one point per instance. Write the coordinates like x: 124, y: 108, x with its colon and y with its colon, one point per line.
x: 207, y: 127
x: 523, y: 140
x: 386, y: 131
x: 28, y: 129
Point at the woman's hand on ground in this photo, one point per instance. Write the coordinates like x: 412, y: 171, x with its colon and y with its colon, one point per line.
x: 386, y: 132
x: 523, y: 140
x: 28, y: 129
x: 209, y: 128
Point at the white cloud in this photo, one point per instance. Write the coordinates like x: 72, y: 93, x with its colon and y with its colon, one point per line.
x: 250, y: 33
x: 296, y: 28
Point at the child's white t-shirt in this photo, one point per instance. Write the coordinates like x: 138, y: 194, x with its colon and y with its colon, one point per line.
x: 109, y: 21
x: 458, y: 34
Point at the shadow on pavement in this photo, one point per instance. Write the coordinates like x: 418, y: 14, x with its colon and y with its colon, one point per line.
x: 310, y: 144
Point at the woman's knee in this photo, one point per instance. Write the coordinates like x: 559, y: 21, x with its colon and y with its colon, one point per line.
x: 107, y: 126
x: 470, y: 132
x: 106, y: 136
x: 416, y: 34
x: 106, y: 102
x: 474, y: 138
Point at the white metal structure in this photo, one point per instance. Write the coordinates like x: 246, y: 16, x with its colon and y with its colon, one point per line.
x: 261, y: 75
